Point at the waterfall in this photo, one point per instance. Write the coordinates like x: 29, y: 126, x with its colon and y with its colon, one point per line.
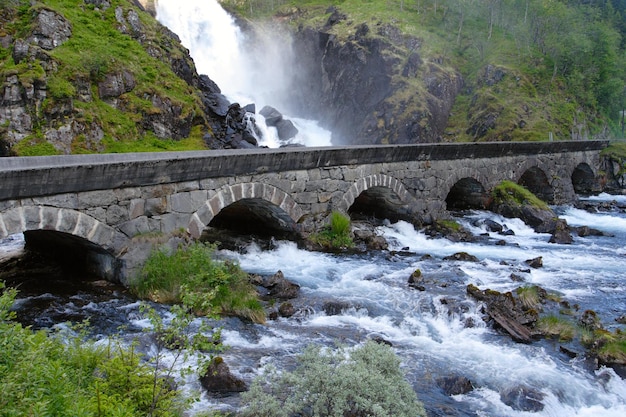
x: 246, y: 70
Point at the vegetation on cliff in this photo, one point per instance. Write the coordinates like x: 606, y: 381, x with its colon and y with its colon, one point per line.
x: 532, y: 69
x: 93, y: 76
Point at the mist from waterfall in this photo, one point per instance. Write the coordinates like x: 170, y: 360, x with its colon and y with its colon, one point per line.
x: 246, y: 70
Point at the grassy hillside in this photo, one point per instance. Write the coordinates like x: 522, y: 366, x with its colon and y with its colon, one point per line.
x: 71, y: 74
x: 532, y: 69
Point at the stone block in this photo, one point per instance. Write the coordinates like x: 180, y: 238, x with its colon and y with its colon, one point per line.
x: 68, y: 200
x: 213, y: 183
x: 188, y: 202
x: 128, y: 193
x: 136, y: 208
x: 98, y: 213
x: 116, y: 215
x: 157, y: 191
x: 156, y: 206
x: 136, y: 226
x: 307, y: 198
x: 99, y: 198
x: 174, y: 222
x: 314, y: 174
x: 186, y: 186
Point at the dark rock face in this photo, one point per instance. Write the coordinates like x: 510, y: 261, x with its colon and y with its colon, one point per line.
x: 274, y: 118
x: 50, y: 30
x: 350, y: 86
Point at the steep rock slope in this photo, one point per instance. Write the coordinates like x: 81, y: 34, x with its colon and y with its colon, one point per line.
x: 103, y: 76
x: 372, y: 86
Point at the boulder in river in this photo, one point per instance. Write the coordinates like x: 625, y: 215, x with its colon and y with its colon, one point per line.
x: 523, y: 398
x: 281, y: 288
x: 219, y: 380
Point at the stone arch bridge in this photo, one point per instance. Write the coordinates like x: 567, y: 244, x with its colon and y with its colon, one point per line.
x: 102, y: 209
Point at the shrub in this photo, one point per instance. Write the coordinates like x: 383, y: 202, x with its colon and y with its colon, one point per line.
x: 50, y: 374
x: 191, y: 275
x: 366, y: 381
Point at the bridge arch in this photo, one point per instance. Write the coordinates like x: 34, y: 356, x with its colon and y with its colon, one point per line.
x: 380, y: 195
x: 243, y: 199
x: 467, y: 193
x: 536, y: 181
x: 584, y: 179
x: 74, y: 240
x: 466, y: 187
x: 62, y: 220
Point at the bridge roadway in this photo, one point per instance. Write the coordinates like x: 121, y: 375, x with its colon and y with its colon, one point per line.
x: 102, y: 205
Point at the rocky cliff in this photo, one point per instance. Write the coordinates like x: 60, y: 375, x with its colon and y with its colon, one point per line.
x: 103, y: 75
x: 372, y: 86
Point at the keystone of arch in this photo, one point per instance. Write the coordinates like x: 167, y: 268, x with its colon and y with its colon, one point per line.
x: 230, y: 194
x: 63, y: 220
x: 377, y: 180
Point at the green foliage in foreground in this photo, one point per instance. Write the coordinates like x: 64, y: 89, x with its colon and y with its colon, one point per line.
x: 337, y: 234
x: 192, y: 276
x: 44, y: 374
x: 366, y: 381
x: 512, y: 193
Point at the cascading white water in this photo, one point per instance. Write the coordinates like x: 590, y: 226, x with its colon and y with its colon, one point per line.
x: 246, y: 71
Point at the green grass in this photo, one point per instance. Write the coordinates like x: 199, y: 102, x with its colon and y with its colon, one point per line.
x: 512, y: 193
x: 337, y: 235
x: 194, y: 277
x: 96, y: 49
x: 557, y: 327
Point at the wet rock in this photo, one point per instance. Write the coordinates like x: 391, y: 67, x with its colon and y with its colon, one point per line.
x: 416, y: 279
x: 365, y: 234
x: 280, y: 288
x: 271, y: 115
x: 561, y: 234
x: 334, y: 308
x: 517, y: 278
x: 461, y: 256
x: 218, y: 379
x: 535, y: 262
x: 286, y: 130
x: 503, y: 309
x: 523, y: 398
x: 584, y: 231
x: 286, y: 310
x: 454, y: 385
x: 381, y: 341
x: 493, y: 226
x: 590, y: 320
